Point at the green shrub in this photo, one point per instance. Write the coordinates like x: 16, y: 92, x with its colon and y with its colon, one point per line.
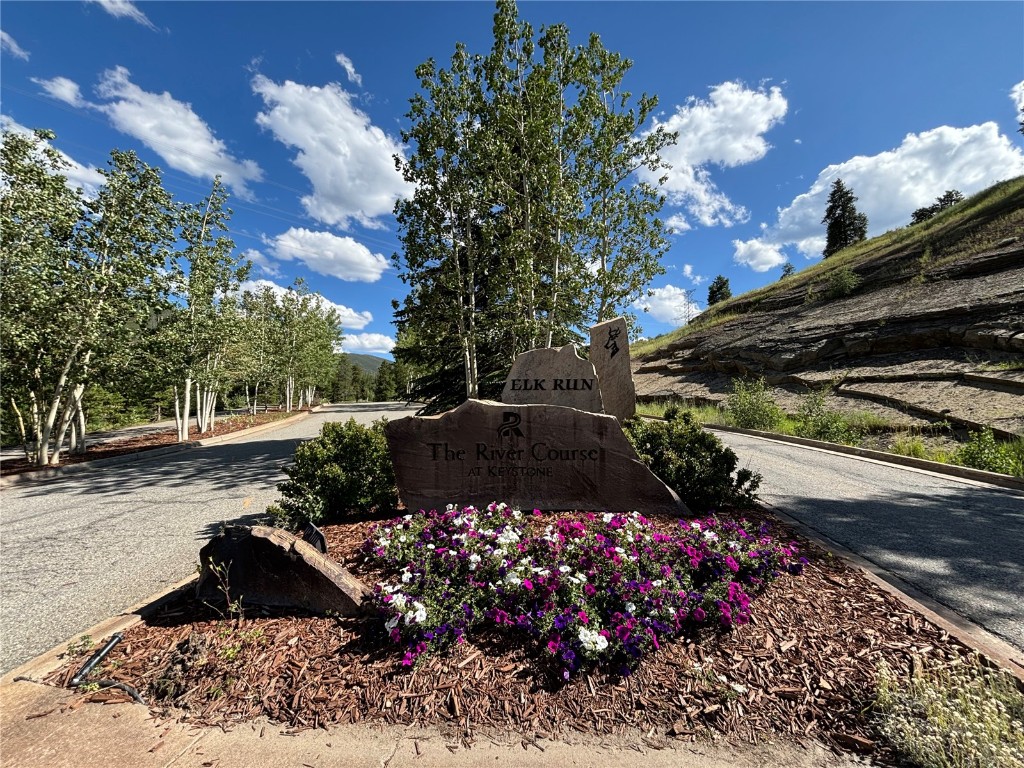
x: 817, y: 422
x: 958, y: 714
x: 910, y: 445
x: 841, y: 282
x: 751, y: 406
x: 692, y: 462
x: 346, y: 469
x: 981, y: 451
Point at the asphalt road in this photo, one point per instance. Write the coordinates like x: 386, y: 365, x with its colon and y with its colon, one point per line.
x: 78, y: 549
x: 958, y: 541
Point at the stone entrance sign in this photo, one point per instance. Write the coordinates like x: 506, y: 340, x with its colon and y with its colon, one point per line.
x: 545, y: 456
x: 553, y: 376
x: 609, y: 353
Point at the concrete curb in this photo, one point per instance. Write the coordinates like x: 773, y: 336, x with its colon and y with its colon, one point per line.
x: 953, y: 470
x: 962, y: 629
x: 52, y: 659
x: 71, y: 469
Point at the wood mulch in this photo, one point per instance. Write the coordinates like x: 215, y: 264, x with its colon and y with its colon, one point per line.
x: 136, y: 443
x: 803, y: 669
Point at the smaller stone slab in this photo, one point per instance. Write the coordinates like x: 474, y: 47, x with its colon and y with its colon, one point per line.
x: 609, y: 353
x: 530, y: 456
x: 553, y: 376
x: 271, y: 567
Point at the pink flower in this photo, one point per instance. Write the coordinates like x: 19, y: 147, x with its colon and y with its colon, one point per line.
x: 589, y: 590
x: 582, y: 616
x: 527, y: 584
x: 555, y: 644
x: 731, y: 563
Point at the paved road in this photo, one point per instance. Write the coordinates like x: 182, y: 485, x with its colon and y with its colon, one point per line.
x: 958, y: 541
x: 78, y: 549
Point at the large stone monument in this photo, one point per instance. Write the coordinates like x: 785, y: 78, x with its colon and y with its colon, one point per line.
x: 553, y: 376
x: 609, y: 354
x: 546, y: 456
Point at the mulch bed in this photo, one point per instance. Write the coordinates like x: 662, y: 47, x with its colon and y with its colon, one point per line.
x: 135, y: 444
x: 803, y: 669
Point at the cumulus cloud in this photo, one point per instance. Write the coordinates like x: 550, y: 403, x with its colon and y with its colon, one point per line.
x: 348, y: 160
x: 676, y: 224
x: 124, y: 9
x: 62, y: 89
x: 349, y: 318
x: 350, y: 69
x: 1017, y: 96
x: 367, y: 343
x: 79, y: 176
x: 262, y: 262
x: 757, y: 254
x: 9, y: 45
x: 171, y: 129
x: 669, y: 305
x: 725, y: 130
x: 692, y: 276
x: 328, y: 254
x: 889, y: 187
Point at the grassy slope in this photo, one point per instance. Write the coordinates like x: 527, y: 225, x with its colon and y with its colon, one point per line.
x: 954, y: 233
x: 367, y: 363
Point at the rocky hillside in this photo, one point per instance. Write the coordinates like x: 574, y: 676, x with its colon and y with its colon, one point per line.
x: 922, y: 324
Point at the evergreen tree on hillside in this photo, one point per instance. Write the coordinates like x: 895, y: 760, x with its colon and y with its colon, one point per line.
x: 719, y: 290
x: 844, y: 226
x: 949, y: 199
x: 787, y: 270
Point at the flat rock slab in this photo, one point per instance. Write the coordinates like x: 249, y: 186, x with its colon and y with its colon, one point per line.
x: 530, y: 456
x: 553, y: 376
x: 609, y: 352
x: 271, y: 567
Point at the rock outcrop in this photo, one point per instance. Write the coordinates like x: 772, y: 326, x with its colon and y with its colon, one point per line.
x: 934, y: 330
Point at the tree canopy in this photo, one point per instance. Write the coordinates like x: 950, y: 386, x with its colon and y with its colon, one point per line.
x: 947, y: 200
x: 719, y: 290
x: 526, y: 223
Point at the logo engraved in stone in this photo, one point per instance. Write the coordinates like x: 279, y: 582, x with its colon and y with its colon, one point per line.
x: 510, y: 421
x: 611, y: 345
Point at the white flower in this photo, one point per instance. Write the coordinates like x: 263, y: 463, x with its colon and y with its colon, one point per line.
x: 657, y: 583
x: 710, y: 535
x: 406, y: 576
x: 418, y: 615
x: 391, y: 623
x: 407, y: 517
x: 474, y: 561
x: 513, y: 579
x: 431, y: 546
x: 399, y: 601
x: 607, y: 517
x: 695, y: 525
x: 403, y: 538
x: 631, y: 607
x: 592, y: 640
x: 620, y: 551
x: 582, y: 577
x: 564, y: 568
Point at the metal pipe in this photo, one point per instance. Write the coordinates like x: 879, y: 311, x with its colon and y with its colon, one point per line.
x: 95, y: 659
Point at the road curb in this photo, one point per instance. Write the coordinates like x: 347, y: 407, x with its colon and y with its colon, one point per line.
x: 71, y: 469
x: 48, y: 661
x: 953, y: 470
x: 959, y: 627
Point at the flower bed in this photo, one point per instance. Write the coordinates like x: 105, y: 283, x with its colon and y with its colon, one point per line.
x: 582, y: 591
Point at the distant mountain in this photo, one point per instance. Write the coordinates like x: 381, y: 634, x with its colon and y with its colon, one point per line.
x: 368, y: 363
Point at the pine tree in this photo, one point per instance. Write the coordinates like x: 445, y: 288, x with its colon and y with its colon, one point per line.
x: 787, y: 270
x: 719, y: 290
x: 844, y: 225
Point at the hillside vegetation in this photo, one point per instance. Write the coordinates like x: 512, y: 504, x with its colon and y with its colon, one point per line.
x: 921, y: 324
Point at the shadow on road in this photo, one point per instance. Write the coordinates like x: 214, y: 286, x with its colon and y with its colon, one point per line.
x: 963, y: 547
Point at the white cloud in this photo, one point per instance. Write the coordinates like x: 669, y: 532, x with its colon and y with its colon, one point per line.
x: 84, y: 177
x: 124, y: 9
x: 328, y: 254
x: 890, y: 186
x: 350, y: 69
x: 757, y: 254
x: 367, y: 343
x: 348, y: 160
x: 171, y: 129
x: 62, y: 89
x: 669, y: 305
x: 677, y: 224
x: 262, y: 262
x: 349, y: 318
x: 9, y: 45
x: 691, y: 276
x: 726, y: 130
x: 1017, y: 96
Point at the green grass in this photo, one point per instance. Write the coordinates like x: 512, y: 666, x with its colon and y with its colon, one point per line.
x: 1003, y: 365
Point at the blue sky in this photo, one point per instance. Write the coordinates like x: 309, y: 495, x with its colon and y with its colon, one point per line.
x: 299, y: 107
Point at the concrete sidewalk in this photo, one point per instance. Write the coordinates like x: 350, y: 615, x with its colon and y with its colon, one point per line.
x: 46, y: 727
